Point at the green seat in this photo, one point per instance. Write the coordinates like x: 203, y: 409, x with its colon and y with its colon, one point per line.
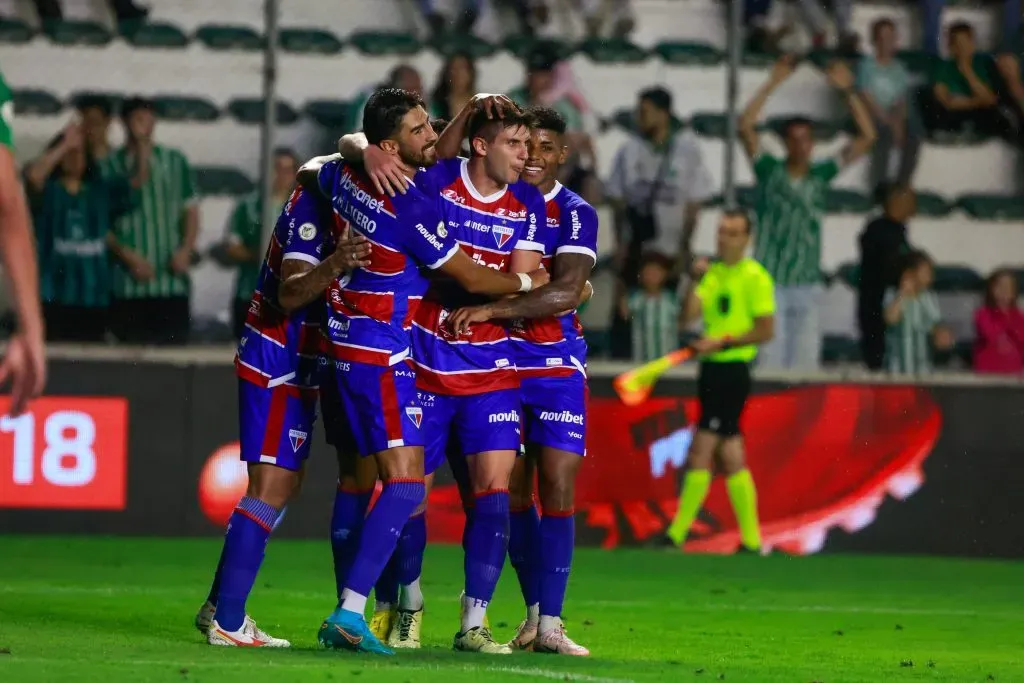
x: 229, y: 37
x: 521, y: 45
x: 88, y: 33
x: 466, y: 44
x: 955, y: 278
x: 329, y: 113
x: 113, y: 99
x: 992, y: 207
x: 837, y: 348
x: 848, y: 201
x: 378, y: 43
x: 222, y: 180
x: 309, y: 41
x: 179, y: 108
x: 689, y: 54
x: 759, y: 60
x: 849, y: 274
x: 932, y: 205
x: 36, y: 102
x: 709, y: 124
x: 15, y: 31
x: 823, y: 130
x: 250, y: 110
x: 613, y: 51
x: 625, y: 119
x: 917, y: 61
x: 158, y: 35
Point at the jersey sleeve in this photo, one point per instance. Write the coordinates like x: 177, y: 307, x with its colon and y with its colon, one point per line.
x: 6, y: 115
x: 764, y: 164
x: 828, y: 169
x: 305, y: 239
x: 528, y: 238
x: 579, y: 235
x: 429, y: 242
x: 186, y: 179
x: 762, y: 294
x: 239, y: 226
x: 432, y: 181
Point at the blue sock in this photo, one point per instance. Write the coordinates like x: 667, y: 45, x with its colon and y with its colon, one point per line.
x: 468, y: 510
x: 523, y: 549
x: 381, y: 530
x: 249, y: 528
x: 386, y: 588
x: 411, y: 546
x: 487, y: 543
x: 214, y: 593
x: 557, y: 536
x: 346, y: 528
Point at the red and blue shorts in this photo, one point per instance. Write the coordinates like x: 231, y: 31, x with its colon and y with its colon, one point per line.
x: 275, y: 423
x: 475, y: 424
x: 379, y: 405
x: 555, y: 412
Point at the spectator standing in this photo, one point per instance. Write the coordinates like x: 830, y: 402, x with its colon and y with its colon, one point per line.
x: 243, y: 243
x: 468, y: 12
x: 883, y: 248
x: 654, y: 309
x: 913, y: 321
x: 456, y: 86
x: 791, y: 196
x: 74, y: 209
x: 94, y: 112
x: 883, y: 82
x: 153, y: 244
x: 657, y: 187
x: 999, y: 327
x: 401, y: 76
x: 598, y: 14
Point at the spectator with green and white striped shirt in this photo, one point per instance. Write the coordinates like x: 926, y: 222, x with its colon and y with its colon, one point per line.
x: 654, y: 309
x: 791, y: 202
x: 154, y: 245
x: 913, y: 322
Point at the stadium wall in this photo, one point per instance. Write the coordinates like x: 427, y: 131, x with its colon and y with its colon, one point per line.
x: 841, y: 466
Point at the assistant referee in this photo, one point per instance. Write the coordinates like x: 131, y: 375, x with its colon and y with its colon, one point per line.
x: 736, y: 298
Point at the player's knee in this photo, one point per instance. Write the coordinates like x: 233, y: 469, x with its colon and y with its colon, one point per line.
x: 273, y: 485
x: 732, y: 456
x: 559, y: 495
x: 400, y: 463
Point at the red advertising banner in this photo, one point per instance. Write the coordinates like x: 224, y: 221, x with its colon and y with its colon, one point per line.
x: 65, y: 453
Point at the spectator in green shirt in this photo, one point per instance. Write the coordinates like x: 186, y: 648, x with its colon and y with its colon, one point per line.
x: 791, y: 196
x: 243, y: 243
x: 74, y: 209
x: 964, y: 91
x: 913, y: 322
x: 1008, y: 65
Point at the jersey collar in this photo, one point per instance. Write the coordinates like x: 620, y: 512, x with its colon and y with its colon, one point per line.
x: 473, y: 192
x: 554, y: 192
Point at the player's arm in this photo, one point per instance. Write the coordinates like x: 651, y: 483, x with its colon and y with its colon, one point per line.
x: 749, y: 136
x: 385, y: 170
x: 303, y: 279
x: 40, y: 169
x: 477, y: 279
x: 761, y: 292
x: 234, y: 249
x: 449, y: 142
x: 690, y: 311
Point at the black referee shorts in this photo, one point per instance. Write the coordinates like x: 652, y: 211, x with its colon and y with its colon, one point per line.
x: 722, y: 389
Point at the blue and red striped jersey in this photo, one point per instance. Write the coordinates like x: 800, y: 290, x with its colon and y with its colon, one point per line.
x: 277, y: 348
x: 551, y: 347
x: 487, y: 229
x: 370, y: 311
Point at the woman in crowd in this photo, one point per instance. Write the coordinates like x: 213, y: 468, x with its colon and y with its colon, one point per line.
x: 999, y: 327
x: 456, y: 85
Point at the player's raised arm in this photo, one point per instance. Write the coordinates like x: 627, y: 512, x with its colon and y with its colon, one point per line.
x: 449, y: 142
x: 308, y: 176
x: 385, y: 170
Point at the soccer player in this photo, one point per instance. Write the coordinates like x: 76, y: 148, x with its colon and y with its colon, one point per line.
x: 24, y: 363
x: 550, y: 356
x: 276, y: 366
x: 368, y: 337
x: 736, y: 298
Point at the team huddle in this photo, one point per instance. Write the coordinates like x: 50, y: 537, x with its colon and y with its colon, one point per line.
x: 425, y: 302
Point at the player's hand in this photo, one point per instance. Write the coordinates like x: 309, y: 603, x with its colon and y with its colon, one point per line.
x: 351, y: 252
x: 943, y: 338
x: 540, y: 277
x: 181, y: 260
x: 385, y: 171
x: 494, y: 105
x: 460, y: 320
x: 73, y: 137
x: 700, y: 267
x: 704, y: 345
x: 908, y: 285
x: 24, y: 366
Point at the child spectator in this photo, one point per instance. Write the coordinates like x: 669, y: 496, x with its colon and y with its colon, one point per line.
x: 999, y: 327
x: 654, y: 309
x: 912, y: 317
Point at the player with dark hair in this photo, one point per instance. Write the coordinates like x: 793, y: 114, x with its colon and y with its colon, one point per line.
x: 368, y: 335
x: 735, y: 296
x: 468, y: 382
x: 277, y: 372
x: 550, y: 356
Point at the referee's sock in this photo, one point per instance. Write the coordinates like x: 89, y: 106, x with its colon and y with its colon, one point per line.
x: 695, y: 489
x: 743, y: 497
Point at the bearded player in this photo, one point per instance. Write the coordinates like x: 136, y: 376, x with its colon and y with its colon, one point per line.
x: 550, y: 356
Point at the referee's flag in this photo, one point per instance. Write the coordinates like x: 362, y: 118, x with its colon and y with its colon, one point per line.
x: 634, y: 386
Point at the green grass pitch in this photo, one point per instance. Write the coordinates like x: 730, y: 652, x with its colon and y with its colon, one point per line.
x: 101, y: 610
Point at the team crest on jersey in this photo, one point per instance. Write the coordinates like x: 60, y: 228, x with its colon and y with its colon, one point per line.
x: 297, y: 438
x: 415, y: 414
x: 502, y: 234
x: 307, y: 231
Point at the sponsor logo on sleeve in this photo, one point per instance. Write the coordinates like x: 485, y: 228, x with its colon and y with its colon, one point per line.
x: 307, y: 231
x: 576, y: 224
x: 430, y: 237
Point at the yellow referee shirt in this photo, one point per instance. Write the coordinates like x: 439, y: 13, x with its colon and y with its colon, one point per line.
x: 731, y: 297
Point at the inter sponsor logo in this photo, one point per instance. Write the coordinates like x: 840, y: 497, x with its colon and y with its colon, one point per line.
x: 297, y: 438
x: 565, y: 416
x: 576, y: 225
x: 507, y: 416
x: 477, y: 225
x: 502, y: 234
x: 430, y: 237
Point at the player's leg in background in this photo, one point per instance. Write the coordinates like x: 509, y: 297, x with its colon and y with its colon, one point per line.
x: 406, y: 567
x: 524, y: 542
x: 357, y: 478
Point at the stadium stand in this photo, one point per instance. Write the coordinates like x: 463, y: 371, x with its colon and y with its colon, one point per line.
x: 202, y: 62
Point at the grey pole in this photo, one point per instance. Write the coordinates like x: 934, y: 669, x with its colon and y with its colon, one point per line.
x: 731, y: 105
x: 269, y: 127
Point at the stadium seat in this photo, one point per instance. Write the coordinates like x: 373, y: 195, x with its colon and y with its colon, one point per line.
x: 250, y: 110
x: 624, y: 119
x: 309, y: 41
x: 221, y: 180
x: 469, y: 44
x: 839, y: 349
x: 992, y: 207
x: 688, y: 54
x: 36, y: 102
x: 848, y: 201
x: 824, y: 131
x: 521, y: 45
x: 612, y: 51
x: 378, y: 43
x: 68, y: 33
x: 333, y: 114
x: 932, y: 205
x: 709, y: 124
x: 157, y: 35
x: 177, y: 108
x: 956, y: 278
x: 758, y: 60
x: 15, y: 31
x: 113, y: 98
x: 849, y: 273
x: 228, y: 37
